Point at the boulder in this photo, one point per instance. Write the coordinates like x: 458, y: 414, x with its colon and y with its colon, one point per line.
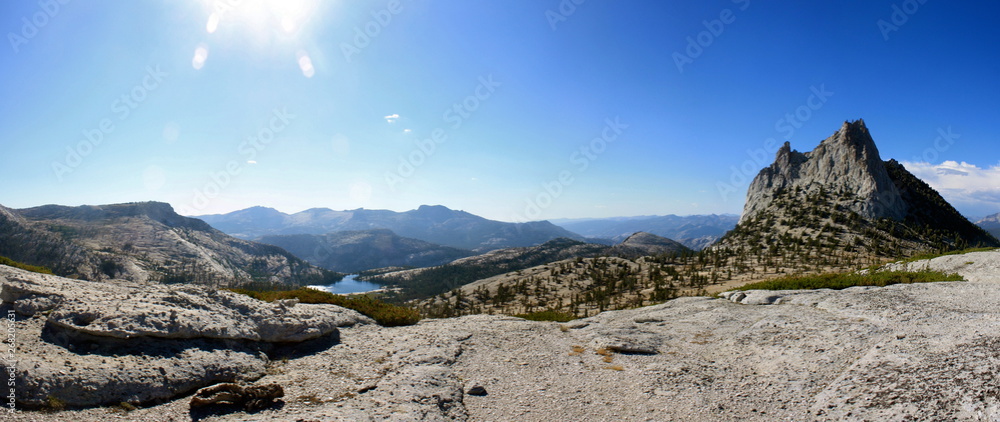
x: 83, y: 343
x: 127, y: 310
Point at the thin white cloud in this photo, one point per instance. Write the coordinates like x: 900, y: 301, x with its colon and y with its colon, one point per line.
x: 392, y: 118
x: 970, y: 188
x: 407, y: 130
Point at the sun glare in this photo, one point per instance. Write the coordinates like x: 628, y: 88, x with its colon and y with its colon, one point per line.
x: 263, y: 21
x: 260, y: 15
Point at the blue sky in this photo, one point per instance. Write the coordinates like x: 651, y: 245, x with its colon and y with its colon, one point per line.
x: 511, y: 110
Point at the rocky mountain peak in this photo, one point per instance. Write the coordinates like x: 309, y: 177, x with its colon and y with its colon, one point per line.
x: 847, y: 162
x: 841, y: 196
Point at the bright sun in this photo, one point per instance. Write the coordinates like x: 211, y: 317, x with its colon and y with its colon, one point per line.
x: 264, y: 19
x: 286, y: 15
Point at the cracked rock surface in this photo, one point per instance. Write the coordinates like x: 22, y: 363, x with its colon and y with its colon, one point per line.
x: 98, y: 343
x: 926, y: 351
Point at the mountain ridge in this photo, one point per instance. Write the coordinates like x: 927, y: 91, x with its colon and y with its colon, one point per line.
x: 430, y: 223
x: 991, y: 224
x: 359, y: 250
x: 148, y: 241
x: 694, y: 231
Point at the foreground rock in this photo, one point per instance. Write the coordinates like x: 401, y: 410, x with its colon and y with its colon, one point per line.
x: 83, y: 343
x: 906, y: 352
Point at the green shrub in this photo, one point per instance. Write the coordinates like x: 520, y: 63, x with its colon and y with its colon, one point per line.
x: 385, y: 314
x: 33, y: 268
x: 839, y: 281
x: 54, y: 404
x: 548, y: 316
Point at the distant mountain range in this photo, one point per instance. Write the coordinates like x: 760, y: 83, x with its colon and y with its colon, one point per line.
x: 354, y: 251
x: 435, y: 224
x: 991, y: 224
x: 693, y: 231
x: 144, y: 242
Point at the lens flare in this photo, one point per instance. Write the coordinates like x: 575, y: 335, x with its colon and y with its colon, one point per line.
x: 305, y: 63
x: 200, y: 55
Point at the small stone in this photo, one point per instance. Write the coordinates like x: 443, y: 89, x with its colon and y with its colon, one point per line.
x: 476, y: 390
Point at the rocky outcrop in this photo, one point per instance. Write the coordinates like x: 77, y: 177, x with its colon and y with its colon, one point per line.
x: 91, y: 343
x: 926, y: 351
x: 841, y: 199
x: 846, y: 161
x: 123, y: 310
x: 146, y: 241
x: 646, y: 244
x: 22, y: 241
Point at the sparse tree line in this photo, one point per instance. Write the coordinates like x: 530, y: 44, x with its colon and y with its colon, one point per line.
x: 803, y: 233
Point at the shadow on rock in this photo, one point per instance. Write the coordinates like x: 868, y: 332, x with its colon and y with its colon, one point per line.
x: 226, y: 398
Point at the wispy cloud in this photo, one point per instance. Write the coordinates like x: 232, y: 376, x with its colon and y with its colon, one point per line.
x: 969, y: 187
x: 392, y: 118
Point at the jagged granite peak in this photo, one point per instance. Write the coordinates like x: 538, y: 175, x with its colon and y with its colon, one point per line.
x: 841, y: 196
x: 846, y: 161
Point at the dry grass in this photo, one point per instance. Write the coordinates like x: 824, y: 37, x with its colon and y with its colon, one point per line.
x: 577, y: 351
x: 703, y: 337
x: 615, y: 367
x: 309, y: 399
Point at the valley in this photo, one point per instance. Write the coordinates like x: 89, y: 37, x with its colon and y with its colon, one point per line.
x: 500, y: 211
x: 238, y: 308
